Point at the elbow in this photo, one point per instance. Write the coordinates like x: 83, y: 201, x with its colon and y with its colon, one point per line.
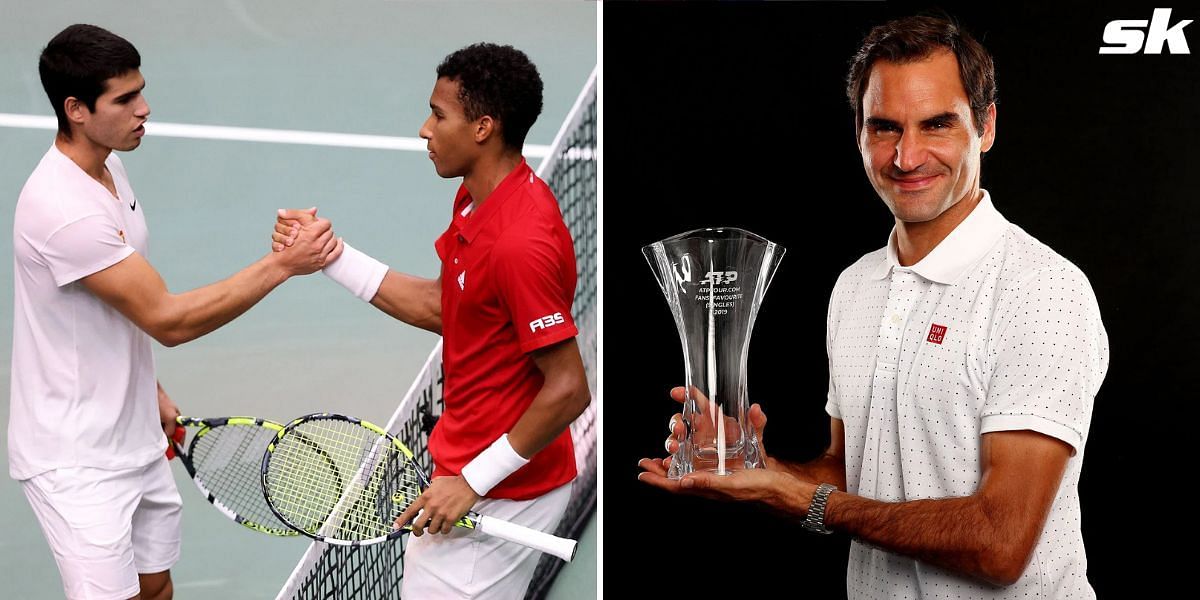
x: 433, y: 324
x: 582, y: 398
x: 168, y: 330
x: 432, y: 319
x: 1004, y: 576
x: 574, y: 397
x: 1008, y: 541
x: 168, y: 337
x: 1004, y: 566
x: 169, y: 342
x: 581, y: 395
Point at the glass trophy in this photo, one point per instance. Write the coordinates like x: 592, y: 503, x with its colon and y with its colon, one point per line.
x: 714, y: 281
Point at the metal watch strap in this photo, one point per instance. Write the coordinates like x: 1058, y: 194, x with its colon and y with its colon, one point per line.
x: 815, y: 522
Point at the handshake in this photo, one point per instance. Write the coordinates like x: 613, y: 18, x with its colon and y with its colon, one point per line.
x: 302, y: 243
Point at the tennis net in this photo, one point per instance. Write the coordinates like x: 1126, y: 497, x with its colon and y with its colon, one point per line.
x: 328, y: 572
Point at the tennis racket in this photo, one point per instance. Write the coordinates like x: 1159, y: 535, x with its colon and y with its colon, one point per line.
x: 344, y: 481
x: 224, y: 460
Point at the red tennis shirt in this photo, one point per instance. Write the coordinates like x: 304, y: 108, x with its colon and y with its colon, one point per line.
x: 508, y: 281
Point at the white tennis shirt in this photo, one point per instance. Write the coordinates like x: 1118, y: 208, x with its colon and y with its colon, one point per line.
x: 992, y: 331
x: 83, y: 386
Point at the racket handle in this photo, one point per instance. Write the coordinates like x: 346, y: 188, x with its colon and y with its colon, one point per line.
x: 538, y: 540
x: 180, y: 435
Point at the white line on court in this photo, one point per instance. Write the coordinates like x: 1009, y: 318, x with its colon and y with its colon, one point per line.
x: 250, y: 134
x: 200, y: 583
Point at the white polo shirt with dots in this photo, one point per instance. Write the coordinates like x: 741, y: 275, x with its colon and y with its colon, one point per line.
x: 992, y: 331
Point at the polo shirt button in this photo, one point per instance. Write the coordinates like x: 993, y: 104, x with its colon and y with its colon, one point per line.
x: 895, y: 319
x: 456, y: 261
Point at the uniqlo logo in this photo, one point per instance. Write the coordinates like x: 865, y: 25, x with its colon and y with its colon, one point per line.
x: 936, y: 333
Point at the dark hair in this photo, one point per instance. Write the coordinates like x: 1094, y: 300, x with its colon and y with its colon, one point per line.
x: 914, y: 38
x: 78, y: 61
x: 498, y: 81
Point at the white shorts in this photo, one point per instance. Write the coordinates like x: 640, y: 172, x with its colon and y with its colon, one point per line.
x: 104, y: 527
x: 468, y: 564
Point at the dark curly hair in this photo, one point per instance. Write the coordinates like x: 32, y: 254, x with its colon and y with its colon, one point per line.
x: 914, y: 38
x: 499, y: 81
x: 78, y: 61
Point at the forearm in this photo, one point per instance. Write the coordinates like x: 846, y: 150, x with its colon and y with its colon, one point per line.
x: 966, y: 535
x: 414, y: 300
x: 187, y: 316
x: 827, y: 468
x: 552, y: 411
x: 563, y: 397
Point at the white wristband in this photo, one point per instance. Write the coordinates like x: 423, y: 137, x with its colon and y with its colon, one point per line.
x: 492, y: 466
x: 357, y: 272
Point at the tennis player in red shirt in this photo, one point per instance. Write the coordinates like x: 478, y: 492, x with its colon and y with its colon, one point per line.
x: 502, y: 302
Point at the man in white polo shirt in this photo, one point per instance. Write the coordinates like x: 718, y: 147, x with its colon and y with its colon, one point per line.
x: 964, y: 358
x: 87, y: 418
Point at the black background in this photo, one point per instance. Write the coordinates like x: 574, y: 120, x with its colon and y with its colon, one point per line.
x: 734, y: 114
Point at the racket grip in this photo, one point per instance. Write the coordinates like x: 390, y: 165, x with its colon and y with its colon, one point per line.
x: 538, y: 540
x: 180, y: 435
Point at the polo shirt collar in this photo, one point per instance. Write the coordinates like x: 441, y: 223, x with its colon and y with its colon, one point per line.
x: 473, y: 221
x: 965, y: 246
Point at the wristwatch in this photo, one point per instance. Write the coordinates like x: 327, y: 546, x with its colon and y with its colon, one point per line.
x: 815, y: 522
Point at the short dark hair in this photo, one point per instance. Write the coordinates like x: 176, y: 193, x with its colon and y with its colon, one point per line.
x: 78, y: 61
x: 499, y: 81
x: 914, y: 38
